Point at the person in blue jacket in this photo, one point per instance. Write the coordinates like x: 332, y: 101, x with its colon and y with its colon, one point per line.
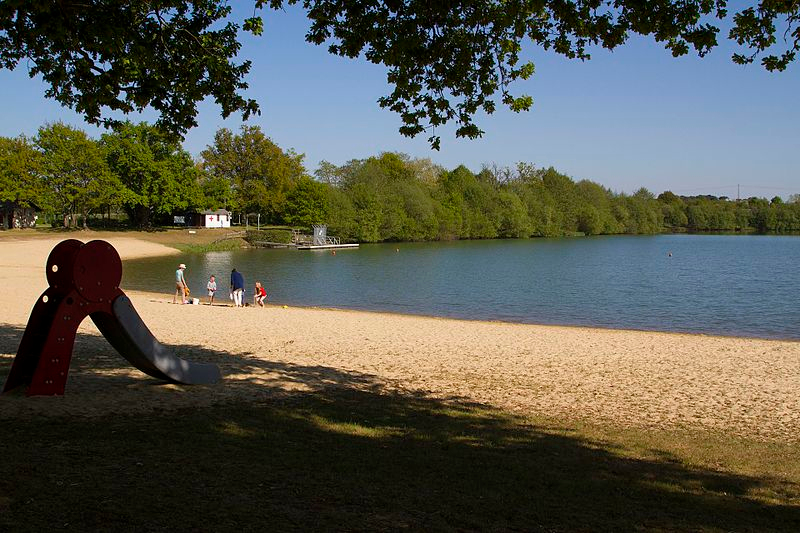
x: 237, y: 287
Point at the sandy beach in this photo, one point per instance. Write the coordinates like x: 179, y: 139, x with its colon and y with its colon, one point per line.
x: 739, y: 386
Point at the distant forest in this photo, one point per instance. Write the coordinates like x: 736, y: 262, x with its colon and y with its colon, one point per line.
x: 136, y: 176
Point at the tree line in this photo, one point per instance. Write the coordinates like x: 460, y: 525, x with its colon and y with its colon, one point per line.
x: 138, y: 172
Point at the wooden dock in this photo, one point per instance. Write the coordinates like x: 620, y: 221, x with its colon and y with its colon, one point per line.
x: 268, y: 244
x: 301, y: 241
x: 325, y: 246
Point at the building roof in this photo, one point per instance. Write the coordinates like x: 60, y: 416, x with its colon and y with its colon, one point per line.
x: 15, y: 205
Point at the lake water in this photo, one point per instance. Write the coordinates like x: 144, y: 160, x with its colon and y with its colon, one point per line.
x: 729, y: 285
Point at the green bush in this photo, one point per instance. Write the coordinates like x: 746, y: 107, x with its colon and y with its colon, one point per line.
x: 278, y: 235
x: 217, y: 246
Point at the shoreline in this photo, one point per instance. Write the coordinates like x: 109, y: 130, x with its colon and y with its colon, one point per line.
x: 653, y: 380
x: 148, y: 247
x: 157, y: 295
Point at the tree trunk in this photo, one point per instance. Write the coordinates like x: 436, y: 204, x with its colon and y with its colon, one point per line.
x: 139, y: 215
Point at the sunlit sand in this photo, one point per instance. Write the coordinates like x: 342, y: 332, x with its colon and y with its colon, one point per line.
x: 739, y: 386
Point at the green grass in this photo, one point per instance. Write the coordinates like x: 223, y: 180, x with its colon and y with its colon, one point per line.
x: 344, y: 459
x: 219, y: 246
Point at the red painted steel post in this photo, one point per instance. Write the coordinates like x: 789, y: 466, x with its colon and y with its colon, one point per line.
x: 83, y: 278
x: 50, y: 376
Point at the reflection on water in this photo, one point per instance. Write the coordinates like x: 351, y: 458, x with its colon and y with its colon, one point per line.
x: 730, y: 285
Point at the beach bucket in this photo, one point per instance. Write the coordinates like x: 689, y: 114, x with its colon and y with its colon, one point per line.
x: 196, y: 301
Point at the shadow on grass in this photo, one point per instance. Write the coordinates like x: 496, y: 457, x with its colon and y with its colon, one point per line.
x: 344, y: 454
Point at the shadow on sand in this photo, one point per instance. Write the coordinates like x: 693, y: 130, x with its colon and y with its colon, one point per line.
x: 333, y: 450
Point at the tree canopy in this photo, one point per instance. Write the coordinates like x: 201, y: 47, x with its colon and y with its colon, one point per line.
x: 253, y: 169
x: 20, y: 170
x: 75, y: 174
x: 100, y: 57
x: 445, y: 61
x: 136, y: 176
x: 156, y: 176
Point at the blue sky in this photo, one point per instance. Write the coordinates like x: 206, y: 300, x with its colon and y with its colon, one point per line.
x: 635, y: 117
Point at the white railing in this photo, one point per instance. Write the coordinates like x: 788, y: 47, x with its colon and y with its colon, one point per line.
x: 303, y: 239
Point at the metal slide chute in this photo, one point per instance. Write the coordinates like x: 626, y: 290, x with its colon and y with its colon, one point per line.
x: 129, y: 335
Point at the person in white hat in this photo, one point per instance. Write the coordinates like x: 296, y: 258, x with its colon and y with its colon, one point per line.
x: 180, y: 285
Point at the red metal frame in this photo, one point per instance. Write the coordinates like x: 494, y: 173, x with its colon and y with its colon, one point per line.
x: 84, y: 279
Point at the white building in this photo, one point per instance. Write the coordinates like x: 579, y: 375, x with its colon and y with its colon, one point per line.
x: 220, y: 218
